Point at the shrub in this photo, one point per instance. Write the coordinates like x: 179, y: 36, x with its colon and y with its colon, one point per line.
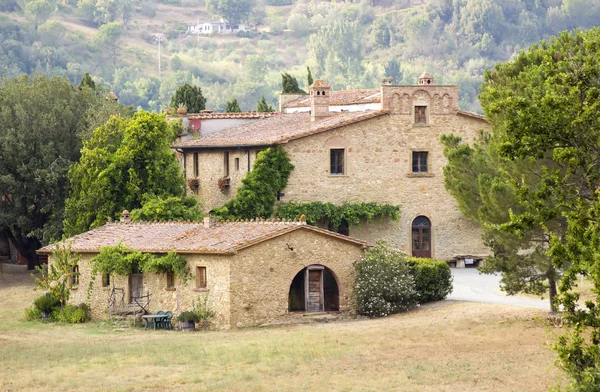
x: 73, y: 314
x: 433, y: 279
x: 384, y: 283
x: 188, y: 316
x: 33, y: 314
x: 46, y: 303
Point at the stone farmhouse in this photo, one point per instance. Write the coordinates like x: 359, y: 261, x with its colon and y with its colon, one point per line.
x: 217, y: 26
x: 251, y: 273
x: 379, y: 145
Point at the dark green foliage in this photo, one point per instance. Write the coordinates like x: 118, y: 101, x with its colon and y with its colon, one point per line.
x: 383, y: 35
x: 33, y: 314
x: 171, y: 263
x: 353, y: 213
x: 171, y: 208
x: 189, y: 96
x: 433, y: 279
x: 235, y: 11
x: 87, y: 81
x: 280, y: 2
x: 46, y: 303
x: 73, y: 314
x: 289, y: 84
x: 263, y: 106
x: 56, y: 280
x: 126, y: 162
x: 392, y: 69
x: 233, y: 106
x: 543, y: 106
x: 43, y: 120
x: 384, y: 283
x: 257, y: 195
x: 309, y: 78
x: 120, y: 260
x: 188, y: 316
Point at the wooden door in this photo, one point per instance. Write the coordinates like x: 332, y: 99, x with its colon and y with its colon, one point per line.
x: 136, y: 286
x: 314, y: 290
x: 421, y: 237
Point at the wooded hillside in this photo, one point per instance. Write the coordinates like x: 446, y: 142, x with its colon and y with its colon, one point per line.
x: 350, y: 44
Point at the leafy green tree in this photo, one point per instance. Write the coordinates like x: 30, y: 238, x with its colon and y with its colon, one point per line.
x: 341, y: 62
x: 382, y: 33
x: 109, y: 36
x: 482, y: 182
x: 309, y: 78
x: 392, y: 69
x: 125, y: 162
x: 87, y: 81
x: 289, y: 84
x: 258, y: 193
x: 43, y: 120
x: 235, y: 11
x: 39, y: 10
x: 543, y: 104
x: 263, y: 106
x: 106, y: 11
x: 233, y: 106
x: 170, y: 208
x: 256, y: 68
x: 191, y: 97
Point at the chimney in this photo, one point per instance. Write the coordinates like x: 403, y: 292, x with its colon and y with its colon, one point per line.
x: 125, y: 217
x: 425, y: 79
x: 319, y: 100
x: 208, y: 222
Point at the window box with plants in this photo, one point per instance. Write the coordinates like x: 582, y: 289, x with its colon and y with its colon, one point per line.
x: 224, y: 183
x: 193, y: 183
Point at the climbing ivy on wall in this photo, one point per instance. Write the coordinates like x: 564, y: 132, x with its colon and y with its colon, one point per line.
x: 351, y: 212
x: 258, y: 193
x: 120, y: 260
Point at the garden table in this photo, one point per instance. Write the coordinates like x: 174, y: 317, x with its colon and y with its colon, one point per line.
x: 155, y: 318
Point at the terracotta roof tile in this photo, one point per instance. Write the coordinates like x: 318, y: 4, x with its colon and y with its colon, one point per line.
x: 206, y: 116
x: 278, y: 129
x: 188, y: 237
x: 342, y: 97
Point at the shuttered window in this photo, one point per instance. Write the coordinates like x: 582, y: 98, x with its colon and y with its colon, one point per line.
x: 200, y: 277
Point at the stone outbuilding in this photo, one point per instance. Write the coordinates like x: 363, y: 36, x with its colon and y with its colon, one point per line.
x: 251, y: 273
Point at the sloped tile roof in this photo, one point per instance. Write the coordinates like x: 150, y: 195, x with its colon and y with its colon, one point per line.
x: 206, y: 116
x: 277, y: 129
x: 188, y: 237
x: 342, y: 97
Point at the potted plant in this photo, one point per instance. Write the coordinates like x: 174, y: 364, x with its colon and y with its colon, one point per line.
x: 193, y: 183
x: 204, y: 314
x: 181, y: 109
x: 188, y: 320
x: 223, y: 183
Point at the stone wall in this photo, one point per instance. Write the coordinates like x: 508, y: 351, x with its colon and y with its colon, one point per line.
x: 378, y: 159
x: 179, y: 299
x: 262, y: 274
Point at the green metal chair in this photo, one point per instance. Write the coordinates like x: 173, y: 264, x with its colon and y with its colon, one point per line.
x: 160, y: 323
x: 167, y: 320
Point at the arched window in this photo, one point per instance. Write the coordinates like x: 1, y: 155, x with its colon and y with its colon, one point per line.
x: 421, y: 237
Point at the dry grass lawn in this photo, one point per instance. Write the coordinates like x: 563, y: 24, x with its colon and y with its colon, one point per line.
x: 445, y: 346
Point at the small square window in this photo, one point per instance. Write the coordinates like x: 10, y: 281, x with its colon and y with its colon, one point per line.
x: 200, y: 277
x: 420, y: 114
x: 105, y: 280
x: 419, y: 161
x: 337, y: 161
x: 170, y: 280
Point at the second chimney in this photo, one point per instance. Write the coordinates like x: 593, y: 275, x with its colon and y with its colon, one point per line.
x: 319, y: 100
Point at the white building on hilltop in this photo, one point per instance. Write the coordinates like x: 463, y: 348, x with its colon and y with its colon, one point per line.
x: 217, y: 26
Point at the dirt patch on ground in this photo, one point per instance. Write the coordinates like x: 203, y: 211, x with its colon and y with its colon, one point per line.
x: 15, y: 276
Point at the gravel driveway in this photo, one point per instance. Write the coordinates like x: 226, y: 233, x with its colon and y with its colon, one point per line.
x: 470, y: 285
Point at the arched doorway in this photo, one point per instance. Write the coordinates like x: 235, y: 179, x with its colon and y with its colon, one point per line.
x: 421, y: 237
x: 314, y: 289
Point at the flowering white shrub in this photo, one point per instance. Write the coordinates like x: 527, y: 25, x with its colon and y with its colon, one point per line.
x: 384, y: 283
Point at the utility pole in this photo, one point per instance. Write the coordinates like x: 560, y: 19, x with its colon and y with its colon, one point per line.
x: 159, y: 37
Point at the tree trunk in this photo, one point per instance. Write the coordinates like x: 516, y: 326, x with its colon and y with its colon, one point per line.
x: 26, y: 246
x: 552, y: 293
